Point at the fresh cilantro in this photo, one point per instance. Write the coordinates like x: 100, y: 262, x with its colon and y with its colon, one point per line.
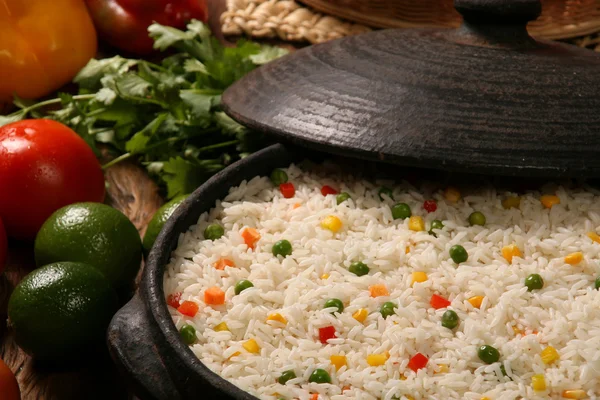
x: 166, y: 116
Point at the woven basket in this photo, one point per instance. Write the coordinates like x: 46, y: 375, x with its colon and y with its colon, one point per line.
x: 560, y: 19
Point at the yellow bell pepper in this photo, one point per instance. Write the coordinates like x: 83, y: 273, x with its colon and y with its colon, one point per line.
x: 43, y: 44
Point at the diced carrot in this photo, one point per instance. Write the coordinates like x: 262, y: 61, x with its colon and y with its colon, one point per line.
x: 315, y: 396
x: 224, y: 262
x: 251, y: 236
x: 188, y: 308
x: 378, y: 290
x: 346, y: 388
x: 297, y: 205
x: 214, y: 296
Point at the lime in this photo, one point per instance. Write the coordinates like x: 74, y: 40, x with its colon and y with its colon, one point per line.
x: 159, y: 219
x: 61, y: 310
x: 94, y: 234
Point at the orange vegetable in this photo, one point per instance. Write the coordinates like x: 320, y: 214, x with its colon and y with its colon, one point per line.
x: 378, y: 290
x: 251, y: 236
x: 44, y: 44
x: 214, y: 296
x: 188, y: 308
x: 224, y: 262
x: 315, y: 396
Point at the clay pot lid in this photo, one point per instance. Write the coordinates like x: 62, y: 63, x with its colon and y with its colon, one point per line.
x: 485, y: 97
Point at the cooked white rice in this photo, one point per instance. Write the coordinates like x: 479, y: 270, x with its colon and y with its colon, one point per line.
x: 565, y: 312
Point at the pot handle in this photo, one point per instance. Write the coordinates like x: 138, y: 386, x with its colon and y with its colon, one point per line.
x: 131, y: 344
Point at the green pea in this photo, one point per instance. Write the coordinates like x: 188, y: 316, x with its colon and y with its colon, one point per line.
x: 401, y: 211
x: 387, y: 309
x: 319, y: 376
x: 188, y: 334
x: 282, y: 248
x: 458, y: 254
x: 597, y: 283
x: 450, y: 319
x: 387, y: 191
x: 359, y: 268
x: 435, y: 224
x: 477, y: 218
x: 242, y: 285
x: 488, y: 354
x: 278, y: 176
x: 213, y: 232
x: 533, y: 282
x: 286, y: 376
x: 342, y: 197
x: 337, y: 303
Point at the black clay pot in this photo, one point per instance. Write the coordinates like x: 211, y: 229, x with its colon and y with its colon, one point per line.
x: 142, y: 337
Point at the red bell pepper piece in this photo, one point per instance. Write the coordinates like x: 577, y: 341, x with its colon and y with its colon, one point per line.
x: 287, y: 190
x: 325, y: 190
x: 174, y: 300
x: 417, y: 362
x: 430, y: 205
x: 188, y: 308
x: 124, y: 23
x: 438, y: 302
x: 326, y: 333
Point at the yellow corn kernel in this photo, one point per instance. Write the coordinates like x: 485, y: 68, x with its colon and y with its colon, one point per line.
x: 251, y: 346
x: 416, y: 223
x: 332, y: 223
x: 476, y: 301
x: 516, y: 330
x: 237, y: 353
x: 594, y: 236
x: 574, y: 394
x: 549, y: 200
x: 407, y: 250
x: 221, y: 327
x: 442, y: 369
x: 538, y: 382
x: 360, y: 315
x: 452, y: 194
x: 510, y: 251
x: 418, y: 277
x: 511, y: 202
x: 277, y: 317
x: 324, y: 276
x: 375, y: 360
x: 549, y: 355
x: 485, y: 398
x: 574, y: 258
x: 338, y: 361
x: 409, y: 397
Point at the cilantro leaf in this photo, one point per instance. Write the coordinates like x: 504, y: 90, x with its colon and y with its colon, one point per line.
x: 200, y: 101
x: 132, y: 85
x: 228, y: 125
x: 89, y: 77
x: 268, y: 54
x: 182, y: 176
x: 166, y: 36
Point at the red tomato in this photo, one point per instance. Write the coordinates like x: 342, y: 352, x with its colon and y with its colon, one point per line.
x: 9, y: 388
x: 287, y: 190
x: 438, y: 302
x: 3, y: 246
x: 44, y: 166
x: 326, y: 333
x: 417, y: 362
x: 325, y: 190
